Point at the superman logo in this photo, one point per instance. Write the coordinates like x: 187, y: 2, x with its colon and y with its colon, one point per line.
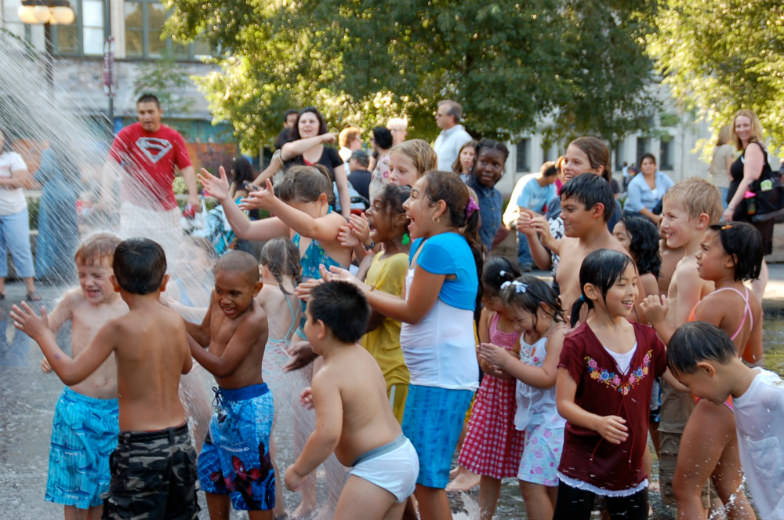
x: 153, y: 148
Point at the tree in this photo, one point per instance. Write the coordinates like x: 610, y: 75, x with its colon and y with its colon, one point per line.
x: 719, y: 56
x: 570, y: 67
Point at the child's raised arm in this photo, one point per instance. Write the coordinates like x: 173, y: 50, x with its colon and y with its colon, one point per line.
x: 611, y: 427
x: 71, y: 371
x: 541, y: 377
x: 201, y: 333
x: 218, y: 187
x: 325, y: 395
x: 323, y: 229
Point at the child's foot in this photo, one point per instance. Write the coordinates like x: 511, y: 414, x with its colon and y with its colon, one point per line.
x: 303, y: 511
x: 32, y: 297
x: 464, y: 481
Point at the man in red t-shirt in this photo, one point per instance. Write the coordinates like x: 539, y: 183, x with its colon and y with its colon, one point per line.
x: 147, y: 152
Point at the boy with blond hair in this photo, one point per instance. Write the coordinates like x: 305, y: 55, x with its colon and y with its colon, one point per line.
x: 234, y: 464
x: 153, y: 471
x: 689, y: 208
x: 84, y: 427
x: 353, y: 416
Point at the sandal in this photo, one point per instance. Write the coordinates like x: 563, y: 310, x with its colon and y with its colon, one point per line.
x: 33, y: 297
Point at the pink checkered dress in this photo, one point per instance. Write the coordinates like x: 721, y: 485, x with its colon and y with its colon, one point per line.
x: 492, y: 446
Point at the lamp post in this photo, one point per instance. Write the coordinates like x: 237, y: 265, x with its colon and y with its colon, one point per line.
x: 48, y: 13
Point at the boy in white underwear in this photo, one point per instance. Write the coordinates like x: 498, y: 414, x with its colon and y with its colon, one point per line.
x: 353, y: 416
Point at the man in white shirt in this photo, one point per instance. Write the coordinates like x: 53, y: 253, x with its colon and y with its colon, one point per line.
x: 452, y: 135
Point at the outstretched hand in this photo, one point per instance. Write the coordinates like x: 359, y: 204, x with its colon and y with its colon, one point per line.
x: 338, y: 274
x: 26, y: 320
x: 655, y: 308
x: 306, y: 398
x: 304, y: 288
x: 216, y: 187
x: 262, y: 198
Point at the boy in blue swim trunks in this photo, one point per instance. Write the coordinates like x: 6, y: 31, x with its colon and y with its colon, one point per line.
x: 234, y: 463
x: 84, y: 429
x: 153, y: 472
x: 353, y: 416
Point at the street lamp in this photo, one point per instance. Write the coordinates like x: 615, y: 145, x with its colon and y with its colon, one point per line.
x: 47, y: 12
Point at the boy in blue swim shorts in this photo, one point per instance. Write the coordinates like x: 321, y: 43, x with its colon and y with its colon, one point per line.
x: 353, y: 416
x: 234, y: 464
x: 85, y: 427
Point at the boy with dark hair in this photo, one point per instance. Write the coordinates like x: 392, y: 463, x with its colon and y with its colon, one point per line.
x: 705, y: 359
x: 234, y: 463
x: 353, y: 416
x: 84, y: 427
x: 153, y: 474
x: 586, y: 205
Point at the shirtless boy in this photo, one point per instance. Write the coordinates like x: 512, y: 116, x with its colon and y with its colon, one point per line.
x: 84, y: 429
x: 586, y: 204
x: 234, y: 464
x: 353, y: 416
x: 688, y: 209
x: 153, y: 474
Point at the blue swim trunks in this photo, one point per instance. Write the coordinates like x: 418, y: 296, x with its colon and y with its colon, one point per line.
x: 84, y: 435
x: 432, y: 421
x: 235, y: 458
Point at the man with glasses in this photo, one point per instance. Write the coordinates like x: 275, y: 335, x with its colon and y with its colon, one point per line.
x: 452, y: 135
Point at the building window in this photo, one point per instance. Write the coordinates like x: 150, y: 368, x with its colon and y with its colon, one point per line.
x: 643, y: 146
x: 666, y: 153
x: 522, y: 149
x: 549, y: 153
x: 144, y: 21
x: 86, y: 36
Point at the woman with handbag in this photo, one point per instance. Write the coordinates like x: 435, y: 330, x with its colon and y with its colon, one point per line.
x: 746, y: 171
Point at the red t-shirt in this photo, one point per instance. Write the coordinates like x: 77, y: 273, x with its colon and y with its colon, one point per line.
x: 603, y: 390
x: 149, y: 159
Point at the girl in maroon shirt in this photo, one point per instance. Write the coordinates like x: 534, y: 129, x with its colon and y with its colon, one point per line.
x: 605, y: 374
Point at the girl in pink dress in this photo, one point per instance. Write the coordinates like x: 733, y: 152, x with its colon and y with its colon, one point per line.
x: 493, y: 446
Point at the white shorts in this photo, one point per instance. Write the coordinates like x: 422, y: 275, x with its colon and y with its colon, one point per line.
x: 393, y: 467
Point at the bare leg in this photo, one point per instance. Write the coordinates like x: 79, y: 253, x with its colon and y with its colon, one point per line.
x: 709, y: 429
x: 280, y: 505
x: 29, y: 284
x: 758, y: 285
x: 489, y: 489
x: 433, y: 503
x: 539, y: 500
x: 95, y: 513
x: 728, y: 481
x: 2, y: 286
x: 463, y: 480
x: 218, y: 506
x: 260, y: 515
x: 74, y: 513
x: 361, y: 499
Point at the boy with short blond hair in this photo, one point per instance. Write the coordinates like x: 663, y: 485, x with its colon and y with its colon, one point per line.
x: 353, y: 416
x: 688, y: 209
x: 153, y: 475
x: 234, y: 464
x: 84, y: 427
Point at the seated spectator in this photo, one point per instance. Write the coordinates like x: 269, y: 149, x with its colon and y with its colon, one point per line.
x: 647, y: 189
x: 360, y: 175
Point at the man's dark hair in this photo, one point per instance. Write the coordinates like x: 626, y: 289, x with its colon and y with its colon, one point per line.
x: 139, y: 265
x: 590, y: 189
x: 383, y: 137
x: 149, y: 98
x: 361, y: 157
x: 289, y: 112
x: 698, y: 341
x: 342, y: 308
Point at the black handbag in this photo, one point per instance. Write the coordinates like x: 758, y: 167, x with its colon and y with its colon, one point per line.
x: 768, y: 196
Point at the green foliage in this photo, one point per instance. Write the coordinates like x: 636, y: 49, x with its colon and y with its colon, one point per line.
x: 567, y: 66
x: 719, y: 56
x: 163, y: 78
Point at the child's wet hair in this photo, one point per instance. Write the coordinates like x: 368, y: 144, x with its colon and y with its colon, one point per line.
x: 281, y: 257
x: 97, y: 249
x: 239, y: 262
x: 698, y: 341
x: 590, y: 190
x: 342, y: 308
x: 697, y: 196
x: 421, y: 154
x: 139, y: 265
x: 497, y: 270
x: 393, y: 196
x: 743, y: 242
x: 305, y: 184
x: 452, y: 190
x: 601, y: 268
x: 644, y: 243
x: 528, y: 293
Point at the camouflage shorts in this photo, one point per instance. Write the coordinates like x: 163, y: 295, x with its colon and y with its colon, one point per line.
x: 153, y: 476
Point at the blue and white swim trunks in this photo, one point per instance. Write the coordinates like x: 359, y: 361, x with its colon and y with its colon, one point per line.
x: 84, y: 435
x: 235, y: 458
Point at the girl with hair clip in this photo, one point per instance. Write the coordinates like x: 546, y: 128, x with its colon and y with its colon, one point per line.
x: 437, y: 335
x: 543, y: 327
x: 603, y: 390
x: 488, y: 437
x: 729, y: 255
